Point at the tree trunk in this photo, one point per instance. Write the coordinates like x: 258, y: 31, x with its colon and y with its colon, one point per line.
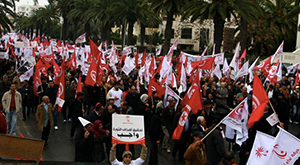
x: 168, y: 32
x: 123, y: 35
x: 143, y: 32
x: 108, y: 33
x: 65, y: 28
x: 130, y: 32
x: 243, y: 34
x: 75, y: 27
x: 218, y: 34
x: 87, y: 30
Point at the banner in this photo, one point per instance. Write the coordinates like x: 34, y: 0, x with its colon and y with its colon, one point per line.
x: 128, y: 129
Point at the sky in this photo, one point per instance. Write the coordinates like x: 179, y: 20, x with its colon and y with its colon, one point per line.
x: 30, y: 2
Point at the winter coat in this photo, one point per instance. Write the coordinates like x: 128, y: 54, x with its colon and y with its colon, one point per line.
x: 40, y: 115
x: 99, y: 154
x: 6, y: 99
x: 215, y: 145
x: 195, y: 157
x: 84, y: 148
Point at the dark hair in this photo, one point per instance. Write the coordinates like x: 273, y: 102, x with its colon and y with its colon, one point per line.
x: 229, y: 155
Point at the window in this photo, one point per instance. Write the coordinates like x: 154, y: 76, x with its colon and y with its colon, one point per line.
x: 186, y: 33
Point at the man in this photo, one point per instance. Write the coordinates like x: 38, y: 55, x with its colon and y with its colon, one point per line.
x: 200, y: 126
x: 4, y: 85
x: 155, y: 131
x: 127, y: 157
x: 125, y: 108
x: 84, y: 142
x: 97, y: 114
x: 221, y: 97
x: 134, y: 101
x: 27, y: 98
x: 228, y: 159
x: 196, y: 154
x: 42, y: 88
x: 77, y: 109
x: 215, y: 143
x: 167, y: 118
x: 295, y: 100
x: 44, y: 116
x: 12, y: 103
x: 69, y: 96
x: 116, y: 93
x: 51, y: 93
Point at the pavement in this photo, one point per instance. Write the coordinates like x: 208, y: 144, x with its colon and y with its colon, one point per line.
x: 61, y: 149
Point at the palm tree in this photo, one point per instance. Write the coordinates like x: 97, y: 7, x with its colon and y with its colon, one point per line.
x: 170, y: 8
x: 219, y: 10
x: 7, y: 8
x: 47, y: 14
x: 132, y: 11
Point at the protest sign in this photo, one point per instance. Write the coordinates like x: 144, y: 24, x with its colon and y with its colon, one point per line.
x: 128, y: 129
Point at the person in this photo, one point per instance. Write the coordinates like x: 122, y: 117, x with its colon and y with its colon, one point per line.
x: 215, y: 143
x: 42, y: 88
x: 228, y: 159
x: 84, y: 142
x: 295, y: 100
x: 44, y: 116
x: 4, y: 85
x: 127, y: 157
x: 116, y: 93
x: 76, y: 107
x: 167, y: 117
x: 51, y: 93
x: 27, y: 94
x: 155, y: 132
x: 69, y: 96
x: 195, y: 153
x: 12, y: 103
x: 200, y: 126
x: 97, y: 114
x: 100, y: 134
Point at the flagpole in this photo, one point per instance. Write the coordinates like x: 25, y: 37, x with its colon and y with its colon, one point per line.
x: 273, y: 110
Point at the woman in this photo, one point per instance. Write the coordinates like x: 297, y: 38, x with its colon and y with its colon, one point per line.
x: 100, y: 135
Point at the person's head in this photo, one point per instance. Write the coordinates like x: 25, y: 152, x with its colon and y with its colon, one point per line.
x: 111, y: 101
x: 127, y: 155
x: 13, y: 86
x: 280, y: 96
x: 229, y: 157
x: 244, y: 90
x: 51, y: 84
x: 44, y: 80
x: 198, y: 135
x: 99, y: 108
x: 25, y: 83
x: 97, y: 126
x: 124, y: 105
x: 201, y: 120
x: 133, y: 89
x: 172, y: 102
x: 12, y: 67
x: 297, y: 89
x: 111, y: 108
x: 223, y: 84
x: 45, y: 99
x: 88, y: 127
x: 5, y: 78
x: 67, y: 82
x: 144, y: 98
x: 207, y: 104
x: 210, y: 96
x: 117, y: 85
x: 79, y: 96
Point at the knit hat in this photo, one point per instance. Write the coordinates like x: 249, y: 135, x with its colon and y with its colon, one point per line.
x: 84, y: 122
x: 126, y: 153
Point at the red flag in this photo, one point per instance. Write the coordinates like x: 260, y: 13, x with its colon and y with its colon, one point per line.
x: 154, y: 86
x: 272, y: 76
x: 91, y: 77
x: 259, y: 101
x: 58, y: 43
x: 42, y: 66
x: 151, y: 67
x: 60, y: 96
x: 79, y: 87
x: 72, y: 62
x: 264, y: 66
x: 13, y: 53
x: 184, y: 116
x: 94, y: 49
x: 33, y: 52
x: 203, y: 64
x: 57, y: 72
x: 193, y: 97
x: 137, y: 59
x: 143, y: 58
x: 297, y: 78
x: 36, y: 81
x: 244, y: 54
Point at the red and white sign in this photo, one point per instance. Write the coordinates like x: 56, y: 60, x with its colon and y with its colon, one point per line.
x: 128, y: 129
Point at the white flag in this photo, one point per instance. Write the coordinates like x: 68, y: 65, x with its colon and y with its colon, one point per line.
x: 279, y: 72
x: 129, y: 65
x: 217, y: 72
x: 126, y: 51
x: 226, y: 68
x: 81, y: 39
x: 26, y: 75
x: 243, y: 71
x: 261, y: 149
x: 237, y: 119
x: 158, y: 51
x: 250, y: 70
x: 292, y: 69
x: 182, y: 87
x: 285, y: 149
x: 278, y: 52
x: 170, y: 94
x: 235, y: 60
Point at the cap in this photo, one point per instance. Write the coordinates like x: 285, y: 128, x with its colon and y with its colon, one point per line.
x: 144, y: 98
x: 297, y: 87
x: 84, y: 122
x: 126, y: 153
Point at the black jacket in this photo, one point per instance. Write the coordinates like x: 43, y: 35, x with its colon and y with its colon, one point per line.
x: 215, y: 149
x: 84, y: 148
x: 155, y: 128
x: 93, y: 117
x: 76, y: 109
x: 51, y: 93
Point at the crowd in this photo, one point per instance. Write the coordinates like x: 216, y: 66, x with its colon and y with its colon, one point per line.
x: 91, y: 113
